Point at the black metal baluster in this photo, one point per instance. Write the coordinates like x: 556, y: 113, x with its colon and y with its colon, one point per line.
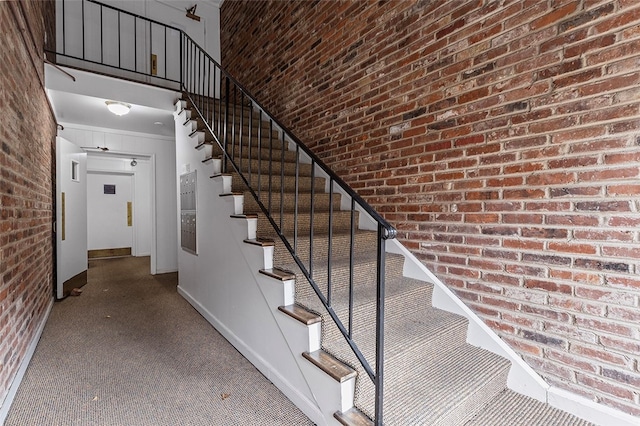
x: 233, y: 123
x: 64, y: 43
x: 351, y: 250
x: 241, y: 127
x: 250, y: 138
x: 282, y: 180
x: 119, y: 44
x: 84, y: 50
x: 101, y: 38
x: 380, y: 326
x: 135, y: 44
x: 260, y: 155
x: 270, y: 161
x: 226, y: 120
x: 313, y: 176
x: 330, y: 240
x: 166, y: 73
x: 295, y: 202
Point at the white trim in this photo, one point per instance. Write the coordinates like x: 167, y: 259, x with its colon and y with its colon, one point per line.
x: 589, y: 410
x: 8, y: 400
x: 308, y: 407
x: 116, y: 131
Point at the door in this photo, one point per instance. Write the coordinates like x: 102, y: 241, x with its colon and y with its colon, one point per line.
x: 71, y: 216
x: 110, y: 214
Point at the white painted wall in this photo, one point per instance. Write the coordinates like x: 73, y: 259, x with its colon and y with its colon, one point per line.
x: 159, y: 153
x: 72, y: 252
x: 107, y: 226
x: 223, y: 283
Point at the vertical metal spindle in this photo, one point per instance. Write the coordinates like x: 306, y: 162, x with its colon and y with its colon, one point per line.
x: 226, y: 119
x: 84, y: 54
x: 351, y: 249
x: 150, y: 46
x: 64, y: 43
x: 101, y: 37
x: 259, y: 154
x: 182, y: 60
x: 380, y: 326
x: 241, y: 127
x: 295, y: 202
x: 270, y: 161
x: 207, y: 116
x: 282, y: 179
x: 313, y: 195
x: 119, y: 44
x: 166, y: 74
x: 135, y: 43
x: 330, y: 241
x: 233, y: 121
x: 250, y: 138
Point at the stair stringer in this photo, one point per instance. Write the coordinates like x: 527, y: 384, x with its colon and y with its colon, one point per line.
x: 223, y: 284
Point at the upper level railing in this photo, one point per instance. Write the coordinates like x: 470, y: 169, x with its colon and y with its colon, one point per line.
x: 114, y: 40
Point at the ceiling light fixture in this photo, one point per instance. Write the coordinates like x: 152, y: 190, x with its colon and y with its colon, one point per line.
x: 118, y: 108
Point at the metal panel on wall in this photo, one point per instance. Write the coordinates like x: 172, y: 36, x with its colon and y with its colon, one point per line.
x: 188, y: 239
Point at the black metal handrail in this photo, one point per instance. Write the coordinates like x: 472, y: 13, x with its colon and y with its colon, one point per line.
x: 217, y: 97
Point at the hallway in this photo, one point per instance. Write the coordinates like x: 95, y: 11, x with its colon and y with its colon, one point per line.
x: 131, y: 351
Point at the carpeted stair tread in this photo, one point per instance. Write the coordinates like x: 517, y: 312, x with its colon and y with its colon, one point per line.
x: 340, y: 246
x: 320, y: 202
x: 509, y: 408
x: 341, y: 221
x: 304, y: 183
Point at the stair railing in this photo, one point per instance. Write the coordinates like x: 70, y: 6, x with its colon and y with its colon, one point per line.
x: 217, y: 97
x: 225, y: 109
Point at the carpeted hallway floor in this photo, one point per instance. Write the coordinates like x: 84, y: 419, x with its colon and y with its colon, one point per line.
x: 131, y: 351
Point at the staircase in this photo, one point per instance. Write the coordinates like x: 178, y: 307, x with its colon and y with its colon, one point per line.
x: 432, y: 376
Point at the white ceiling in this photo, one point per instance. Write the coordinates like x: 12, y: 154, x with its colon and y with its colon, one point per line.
x: 82, y: 102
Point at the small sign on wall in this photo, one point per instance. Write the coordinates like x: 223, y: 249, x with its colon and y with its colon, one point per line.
x: 109, y: 189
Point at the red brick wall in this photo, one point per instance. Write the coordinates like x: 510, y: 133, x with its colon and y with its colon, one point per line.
x: 26, y: 155
x: 502, y: 139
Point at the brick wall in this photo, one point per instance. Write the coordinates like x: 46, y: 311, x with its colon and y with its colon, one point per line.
x: 502, y: 139
x: 26, y: 157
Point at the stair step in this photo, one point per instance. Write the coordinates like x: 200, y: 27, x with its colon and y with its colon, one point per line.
x: 341, y: 222
x: 262, y: 242
x: 278, y: 274
x: 352, y: 417
x: 510, y: 408
x: 330, y: 365
x: 304, y: 183
x: 321, y: 201
x: 301, y: 314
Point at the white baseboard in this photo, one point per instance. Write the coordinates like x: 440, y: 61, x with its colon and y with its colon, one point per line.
x: 589, y: 410
x: 8, y: 400
x: 308, y: 407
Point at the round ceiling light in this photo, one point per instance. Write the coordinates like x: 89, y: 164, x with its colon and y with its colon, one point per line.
x: 118, y: 108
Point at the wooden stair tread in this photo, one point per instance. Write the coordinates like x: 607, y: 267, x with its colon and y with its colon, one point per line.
x: 330, y: 365
x: 243, y: 216
x: 301, y: 314
x: 352, y: 417
x: 262, y: 242
x: 279, y: 274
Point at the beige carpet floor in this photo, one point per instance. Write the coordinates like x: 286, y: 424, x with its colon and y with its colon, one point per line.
x: 131, y: 351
